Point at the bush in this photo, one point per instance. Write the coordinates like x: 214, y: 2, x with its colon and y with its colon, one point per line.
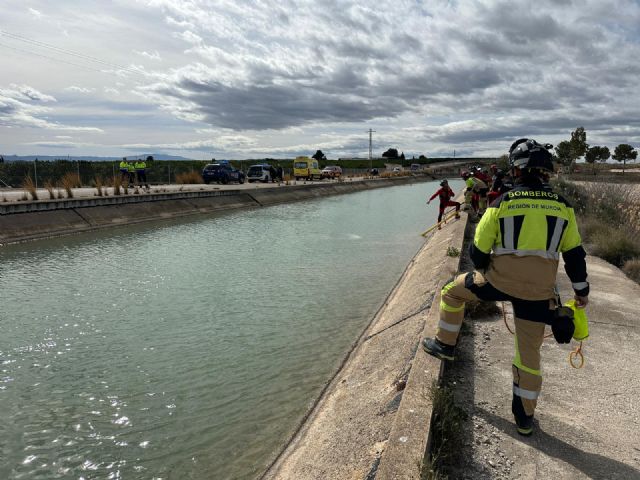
x: 591, y: 226
x: 614, y: 246
x: 632, y: 269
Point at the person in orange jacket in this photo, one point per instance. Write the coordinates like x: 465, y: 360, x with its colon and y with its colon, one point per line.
x: 446, y: 194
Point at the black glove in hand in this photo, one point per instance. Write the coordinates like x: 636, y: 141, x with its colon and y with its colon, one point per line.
x: 562, y: 326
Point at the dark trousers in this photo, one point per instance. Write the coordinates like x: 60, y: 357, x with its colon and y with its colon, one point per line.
x: 444, y: 205
x: 142, y: 177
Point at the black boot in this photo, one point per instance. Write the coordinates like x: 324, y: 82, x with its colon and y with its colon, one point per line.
x: 440, y: 350
x: 524, y: 422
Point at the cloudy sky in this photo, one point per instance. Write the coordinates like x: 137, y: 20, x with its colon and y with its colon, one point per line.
x: 251, y: 79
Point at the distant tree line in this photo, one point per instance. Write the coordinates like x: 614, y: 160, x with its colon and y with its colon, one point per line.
x: 568, y: 151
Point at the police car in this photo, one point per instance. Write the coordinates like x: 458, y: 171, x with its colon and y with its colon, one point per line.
x: 222, y: 172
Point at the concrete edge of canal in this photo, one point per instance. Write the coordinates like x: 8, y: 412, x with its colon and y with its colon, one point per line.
x: 34, y: 220
x: 372, y: 419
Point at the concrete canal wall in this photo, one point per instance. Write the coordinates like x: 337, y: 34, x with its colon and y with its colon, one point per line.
x: 24, y: 221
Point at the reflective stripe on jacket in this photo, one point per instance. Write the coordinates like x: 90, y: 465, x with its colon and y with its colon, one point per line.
x: 525, y: 231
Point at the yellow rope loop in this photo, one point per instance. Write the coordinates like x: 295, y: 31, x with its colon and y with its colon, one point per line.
x: 576, y: 354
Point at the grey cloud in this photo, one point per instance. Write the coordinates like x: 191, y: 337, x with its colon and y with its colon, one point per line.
x: 274, y: 107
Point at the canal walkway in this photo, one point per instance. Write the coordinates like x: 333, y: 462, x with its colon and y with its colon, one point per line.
x: 587, y: 420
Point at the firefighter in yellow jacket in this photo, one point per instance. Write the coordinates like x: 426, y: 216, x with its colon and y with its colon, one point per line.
x: 516, y: 251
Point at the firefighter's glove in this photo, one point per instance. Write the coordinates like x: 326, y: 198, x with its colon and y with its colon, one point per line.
x: 562, y: 326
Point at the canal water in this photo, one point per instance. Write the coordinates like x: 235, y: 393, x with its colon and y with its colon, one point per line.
x: 190, y: 349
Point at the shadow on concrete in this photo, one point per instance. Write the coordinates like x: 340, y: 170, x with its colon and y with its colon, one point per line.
x: 592, y: 465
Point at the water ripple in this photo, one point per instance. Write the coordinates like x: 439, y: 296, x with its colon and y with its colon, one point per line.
x: 192, y: 346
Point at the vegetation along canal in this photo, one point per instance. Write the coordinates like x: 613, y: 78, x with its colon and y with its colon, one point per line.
x: 190, y: 349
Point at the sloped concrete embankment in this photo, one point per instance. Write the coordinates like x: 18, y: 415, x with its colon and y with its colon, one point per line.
x: 372, y: 420
x: 25, y: 221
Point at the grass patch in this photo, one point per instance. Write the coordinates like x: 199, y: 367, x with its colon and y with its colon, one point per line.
x: 446, y: 432
x: 191, y: 177
x: 453, y: 252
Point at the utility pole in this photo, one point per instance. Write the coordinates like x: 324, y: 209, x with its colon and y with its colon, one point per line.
x: 35, y: 171
x: 370, y: 149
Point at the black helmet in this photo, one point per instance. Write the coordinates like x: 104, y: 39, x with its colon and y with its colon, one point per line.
x: 527, y: 153
x: 444, y: 182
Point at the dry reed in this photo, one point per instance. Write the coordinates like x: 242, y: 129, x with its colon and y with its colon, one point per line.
x: 50, y: 188
x: 116, y: 184
x: 191, y: 177
x: 30, y: 187
x: 98, y: 184
x: 70, y: 181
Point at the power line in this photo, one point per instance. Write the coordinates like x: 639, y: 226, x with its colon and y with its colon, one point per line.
x: 50, y: 58
x: 64, y: 51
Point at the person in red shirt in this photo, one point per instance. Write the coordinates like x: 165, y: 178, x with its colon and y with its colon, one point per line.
x: 446, y: 194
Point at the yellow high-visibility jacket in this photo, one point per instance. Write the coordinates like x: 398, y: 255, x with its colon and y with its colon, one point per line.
x: 519, y: 241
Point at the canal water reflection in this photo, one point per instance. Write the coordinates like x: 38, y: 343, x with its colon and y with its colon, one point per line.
x: 189, y: 349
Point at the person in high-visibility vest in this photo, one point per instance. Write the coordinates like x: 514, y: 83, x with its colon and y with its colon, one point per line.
x: 476, y: 193
x: 124, y: 170
x: 141, y: 172
x: 132, y: 173
x: 516, y: 251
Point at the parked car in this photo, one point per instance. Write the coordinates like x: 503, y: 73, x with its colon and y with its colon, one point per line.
x: 396, y: 170
x: 415, y: 167
x: 331, y: 171
x: 259, y: 173
x: 222, y: 173
x: 307, y: 168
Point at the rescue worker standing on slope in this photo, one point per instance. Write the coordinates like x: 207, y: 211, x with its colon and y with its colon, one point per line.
x: 124, y: 169
x: 446, y: 194
x: 516, y: 252
x: 132, y: 173
x: 476, y: 193
x: 141, y: 172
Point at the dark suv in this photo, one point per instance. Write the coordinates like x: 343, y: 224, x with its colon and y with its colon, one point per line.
x: 222, y: 173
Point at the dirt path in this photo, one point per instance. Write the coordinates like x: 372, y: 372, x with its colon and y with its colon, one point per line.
x: 587, y: 421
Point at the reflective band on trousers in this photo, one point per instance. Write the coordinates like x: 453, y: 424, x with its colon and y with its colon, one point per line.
x: 580, y: 285
x: 517, y: 362
x: 525, y: 253
x: 448, y: 287
x: 449, y: 327
x: 449, y: 308
x: 528, y: 394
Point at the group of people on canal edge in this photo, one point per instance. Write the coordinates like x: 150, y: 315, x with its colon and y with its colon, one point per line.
x: 129, y: 170
x: 516, y: 251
